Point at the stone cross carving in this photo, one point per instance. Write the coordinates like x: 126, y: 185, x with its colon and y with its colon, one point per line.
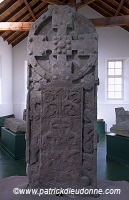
x: 61, y: 125
x: 60, y: 51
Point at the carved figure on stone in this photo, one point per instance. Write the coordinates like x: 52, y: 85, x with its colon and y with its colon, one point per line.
x: 62, y: 98
x: 122, y: 122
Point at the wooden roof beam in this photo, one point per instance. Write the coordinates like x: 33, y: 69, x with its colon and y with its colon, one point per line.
x: 7, y: 6
x: 119, y: 7
x: 29, y: 9
x: 99, y: 22
x: 28, y: 19
x: 111, y: 21
x: 106, y: 6
x: 19, y: 17
x: 84, y: 3
x: 13, y: 13
x: 19, y: 35
x: 40, y: 11
x: 22, y: 17
x: 54, y: 2
x: 100, y: 10
x: 72, y: 3
x: 19, y: 39
x: 15, y: 26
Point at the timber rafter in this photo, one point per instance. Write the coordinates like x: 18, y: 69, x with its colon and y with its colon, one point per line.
x: 84, y: 3
x: 114, y: 12
x: 98, y: 22
x: 29, y: 9
x: 54, y: 2
x: 119, y: 7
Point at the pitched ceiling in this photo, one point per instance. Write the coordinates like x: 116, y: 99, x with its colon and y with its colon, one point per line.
x: 30, y: 10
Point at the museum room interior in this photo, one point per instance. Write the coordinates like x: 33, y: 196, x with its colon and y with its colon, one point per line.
x: 111, y: 19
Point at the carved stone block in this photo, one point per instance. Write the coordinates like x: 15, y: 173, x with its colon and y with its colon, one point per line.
x: 122, y: 122
x: 62, y: 99
x: 15, y: 125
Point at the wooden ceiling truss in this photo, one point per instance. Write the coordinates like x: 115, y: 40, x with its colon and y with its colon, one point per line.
x: 24, y: 12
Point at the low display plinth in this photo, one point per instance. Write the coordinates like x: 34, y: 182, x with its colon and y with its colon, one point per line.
x: 13, y: 143
x: 100, y: 127
x: 118, y: 148
x: 2, y: 120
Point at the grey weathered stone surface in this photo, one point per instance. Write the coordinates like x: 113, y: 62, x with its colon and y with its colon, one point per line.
x: 15, y: 125
x: 122, y: 122
x: 61, y: 110
x: 121, y: 115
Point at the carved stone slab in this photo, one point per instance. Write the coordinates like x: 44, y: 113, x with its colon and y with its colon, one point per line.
x: 15, y: 125
x: 62, y: 99
x: 122, y: 122
x: 61, y: 134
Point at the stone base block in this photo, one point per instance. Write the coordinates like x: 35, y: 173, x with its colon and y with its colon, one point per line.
x: 13, y: 143
x: 15, y: 125
x: 2, y: 119
x: 118, y: 148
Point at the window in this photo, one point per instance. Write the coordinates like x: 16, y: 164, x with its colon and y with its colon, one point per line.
x: 115, y: 79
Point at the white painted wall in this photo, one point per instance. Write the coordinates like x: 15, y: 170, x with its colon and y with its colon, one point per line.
x: 6, y: 106
x: 113, y: 43
x: 19, y: 96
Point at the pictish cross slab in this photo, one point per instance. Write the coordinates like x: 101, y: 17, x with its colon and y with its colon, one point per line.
x: 61, y: 103
x: 59, y: 50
